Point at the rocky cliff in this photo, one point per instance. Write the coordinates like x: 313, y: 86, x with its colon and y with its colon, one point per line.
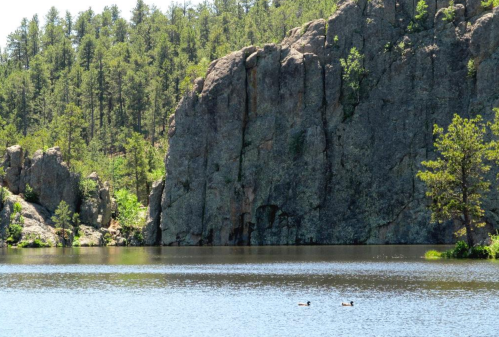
x: 270, y: 148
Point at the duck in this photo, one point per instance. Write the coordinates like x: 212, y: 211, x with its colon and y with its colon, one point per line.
x: 304, y: 304
x: 347, y: 304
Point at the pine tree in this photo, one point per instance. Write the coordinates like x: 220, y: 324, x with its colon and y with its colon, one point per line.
x: 456, y: 181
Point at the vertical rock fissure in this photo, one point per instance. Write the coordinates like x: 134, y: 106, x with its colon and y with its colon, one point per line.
x: 243, y: 126
x: 205, y: 186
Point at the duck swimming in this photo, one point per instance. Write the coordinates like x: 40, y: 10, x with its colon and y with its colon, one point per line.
x: 304, y: 304
x: 347, y: 304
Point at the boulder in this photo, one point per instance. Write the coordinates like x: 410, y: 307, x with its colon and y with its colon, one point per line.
x: 46, y: 173
x: 13, y: 164
x: 96, y: 207
x: 90, y: 237
x: 37, y: 223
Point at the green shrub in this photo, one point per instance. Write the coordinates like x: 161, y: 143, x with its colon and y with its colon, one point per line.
x: 471, y: 68
x: 23, y: 244
x: 461, y: 250
x: 432, y: 254
x: 107, y: 238
x: 4, y: 193
x: 14, y: 233
x: 421, y: 11
x: 129, y: 215
x: 30, y: 195
x: 494, y: 246
x: 480, y: 252
x: 39, y: 243
x: 388, y: 47
x: 139, y: 237
x: 413, y: 27
x: 490, y: 3
x: 353, y: 71
x: 416, y: 25
x: 17, y: 208
x: 449, y: 13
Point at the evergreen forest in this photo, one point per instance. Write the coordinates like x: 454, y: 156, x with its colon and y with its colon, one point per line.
x: 103, y: 88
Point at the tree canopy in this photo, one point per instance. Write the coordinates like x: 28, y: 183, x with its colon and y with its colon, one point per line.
x: 456, y: 180
x: 89, y: 83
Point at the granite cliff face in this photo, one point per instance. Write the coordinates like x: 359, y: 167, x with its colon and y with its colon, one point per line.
x: 270, y: 149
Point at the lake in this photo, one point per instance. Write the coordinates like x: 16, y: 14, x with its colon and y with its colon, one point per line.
x: 245, y: 291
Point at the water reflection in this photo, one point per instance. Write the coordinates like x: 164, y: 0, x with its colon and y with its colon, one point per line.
x: 234, y: 291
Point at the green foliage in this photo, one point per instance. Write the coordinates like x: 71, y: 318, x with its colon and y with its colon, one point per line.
x: 421, y: 11
x: 17, y: 208
x: 490, y: 3
x: 353, y: 70
x: 449, y: 13
x: 304, y: 28
x: 471, y: 68
x: 15, y: 228
x: 107, y: 239
x: 33, y: 241
x: 14, y: 233
x: 417, y: 24
x: 432, y: 254
x: 138, y: 236
x: 130, y: 215
x: 193, y: 72
x: 86, y: 84
x: 137, y: 164
x: 462, y: 251
x: 494, y: 246
x: 63, y: 222
x: 480, y: 252
x: 69, y: 127
x: 456, y: 180
x: 4, y: 193
x: 30, y: 195
x: 88, y: 188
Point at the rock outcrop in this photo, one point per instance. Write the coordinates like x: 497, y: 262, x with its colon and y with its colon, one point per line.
x: 96, y: 208
x: 36, y: 221
x: 47, y: 175
x: 152, y: 231
x: 272, y: 148
x: 89, y: 237
x: 51, y: 181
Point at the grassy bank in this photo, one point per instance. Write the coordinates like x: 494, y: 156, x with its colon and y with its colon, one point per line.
x: 462, y: 251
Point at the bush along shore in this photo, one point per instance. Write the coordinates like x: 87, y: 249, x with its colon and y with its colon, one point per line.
x: 462, y: 251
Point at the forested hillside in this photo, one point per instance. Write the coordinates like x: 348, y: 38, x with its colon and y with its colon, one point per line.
x: 103, y: 88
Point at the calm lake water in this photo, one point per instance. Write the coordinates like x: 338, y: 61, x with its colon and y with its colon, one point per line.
x: 231, y: 291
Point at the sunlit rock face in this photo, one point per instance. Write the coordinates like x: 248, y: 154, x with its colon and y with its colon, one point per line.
x: 271, y: 148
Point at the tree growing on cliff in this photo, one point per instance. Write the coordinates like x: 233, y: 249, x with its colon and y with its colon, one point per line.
x: 456, y: 181
x: 353, y: 71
